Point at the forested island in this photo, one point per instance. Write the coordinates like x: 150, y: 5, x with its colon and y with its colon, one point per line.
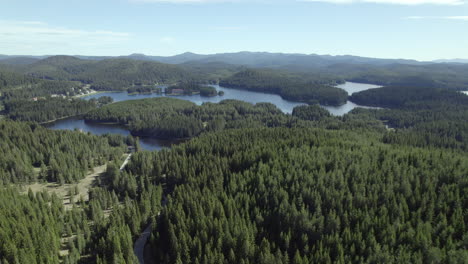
x: 191, y: 89
x: 250, y: 184
x: 175, y: 118
x: 139, y: 89
x: 287, y: 86
x: 422, y: 116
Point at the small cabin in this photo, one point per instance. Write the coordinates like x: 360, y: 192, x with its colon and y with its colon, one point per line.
x: 177, y: 91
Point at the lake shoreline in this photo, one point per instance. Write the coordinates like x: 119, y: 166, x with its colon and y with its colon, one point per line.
x: 151, y: 143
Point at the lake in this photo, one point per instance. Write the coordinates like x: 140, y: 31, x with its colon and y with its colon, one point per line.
x: 99, y: 129
x: 249, y: 96
x: 243, y: 95
x: 351, y: 88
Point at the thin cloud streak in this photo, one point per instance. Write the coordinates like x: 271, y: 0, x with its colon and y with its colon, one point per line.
x: 29, y: 28
x: 392, y: 2
x: 462, y: 18
x: 465, y: 18
x: 35, y: 37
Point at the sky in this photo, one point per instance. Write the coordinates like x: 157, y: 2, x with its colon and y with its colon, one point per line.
x: 411, y: 29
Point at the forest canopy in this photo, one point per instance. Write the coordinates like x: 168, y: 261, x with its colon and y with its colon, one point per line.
x: 253, y: 184
x: 60, y: 156
x: 278, y: 195
x: 174, y: 118
x: 289, y: 87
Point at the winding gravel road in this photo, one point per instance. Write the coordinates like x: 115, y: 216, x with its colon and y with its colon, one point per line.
x: 139, y: 247
x: 125, y: 162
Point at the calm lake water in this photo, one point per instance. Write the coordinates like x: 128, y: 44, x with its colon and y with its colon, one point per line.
x: 99, y: 129
x: 243, y: 95
x: 247, y: 96
x: 351, y: 88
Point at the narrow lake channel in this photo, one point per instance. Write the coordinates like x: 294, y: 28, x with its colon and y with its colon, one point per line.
x: 243, y: 95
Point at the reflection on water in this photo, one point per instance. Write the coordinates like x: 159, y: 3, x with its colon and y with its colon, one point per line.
x: 343, y: 109
x: 99, y: 129
x: 351, y: 88
x: 243, y: 95
x: 248, y: 96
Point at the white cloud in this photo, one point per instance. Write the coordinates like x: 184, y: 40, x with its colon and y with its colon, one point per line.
x: 463, y: 18
x: 394, y: 2
x: 33, y: 28
x: 35, y: 37
x: 415, y: 17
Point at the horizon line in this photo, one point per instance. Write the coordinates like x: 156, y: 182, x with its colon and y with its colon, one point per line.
x: 236, y: 52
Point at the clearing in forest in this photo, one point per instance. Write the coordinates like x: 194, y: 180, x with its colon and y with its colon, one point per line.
x: 78, y: 190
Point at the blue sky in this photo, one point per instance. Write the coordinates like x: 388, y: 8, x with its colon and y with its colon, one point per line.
x: 414, y: 29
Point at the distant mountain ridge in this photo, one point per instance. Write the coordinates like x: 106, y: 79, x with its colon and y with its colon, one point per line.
x: 251, y: 59
x: 115, y: 73
x: 266, y: 59
x: 452, y: 61
x: 111, y: 73
x: 18, y: 60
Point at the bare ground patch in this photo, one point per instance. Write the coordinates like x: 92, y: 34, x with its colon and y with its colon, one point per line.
x: 64, y: 191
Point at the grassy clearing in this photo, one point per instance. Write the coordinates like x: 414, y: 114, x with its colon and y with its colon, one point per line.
x: 79, y: 190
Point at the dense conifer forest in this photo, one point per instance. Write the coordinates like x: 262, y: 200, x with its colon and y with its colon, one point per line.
x: 422, y: 116
x: 46, y: 109
x: 109, y: 74
x: 60, y: 156
x: 175, y: 118
x: 253, y: 184
x: 290, y: 87
x: 307, y: 195
x: 190, y: 89
x: 37, y: 227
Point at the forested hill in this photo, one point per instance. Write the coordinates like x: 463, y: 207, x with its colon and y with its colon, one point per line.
x: 13, y: 79
x: 306, y: 196
x: 407, y: 96
x: 272, y: 60
x: 27, y: 98
x: 452, y: 76
x: 61, y: 156
x: 14, y: 86
x: 81, y: 222
x: 174, y: 118
x: 124, y: 72
x: 42, y: 91
x: 422, y: 116
x: 353, y: 68
x: 252, y: 185
x: 109, y: 74
x: 289, y: 86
